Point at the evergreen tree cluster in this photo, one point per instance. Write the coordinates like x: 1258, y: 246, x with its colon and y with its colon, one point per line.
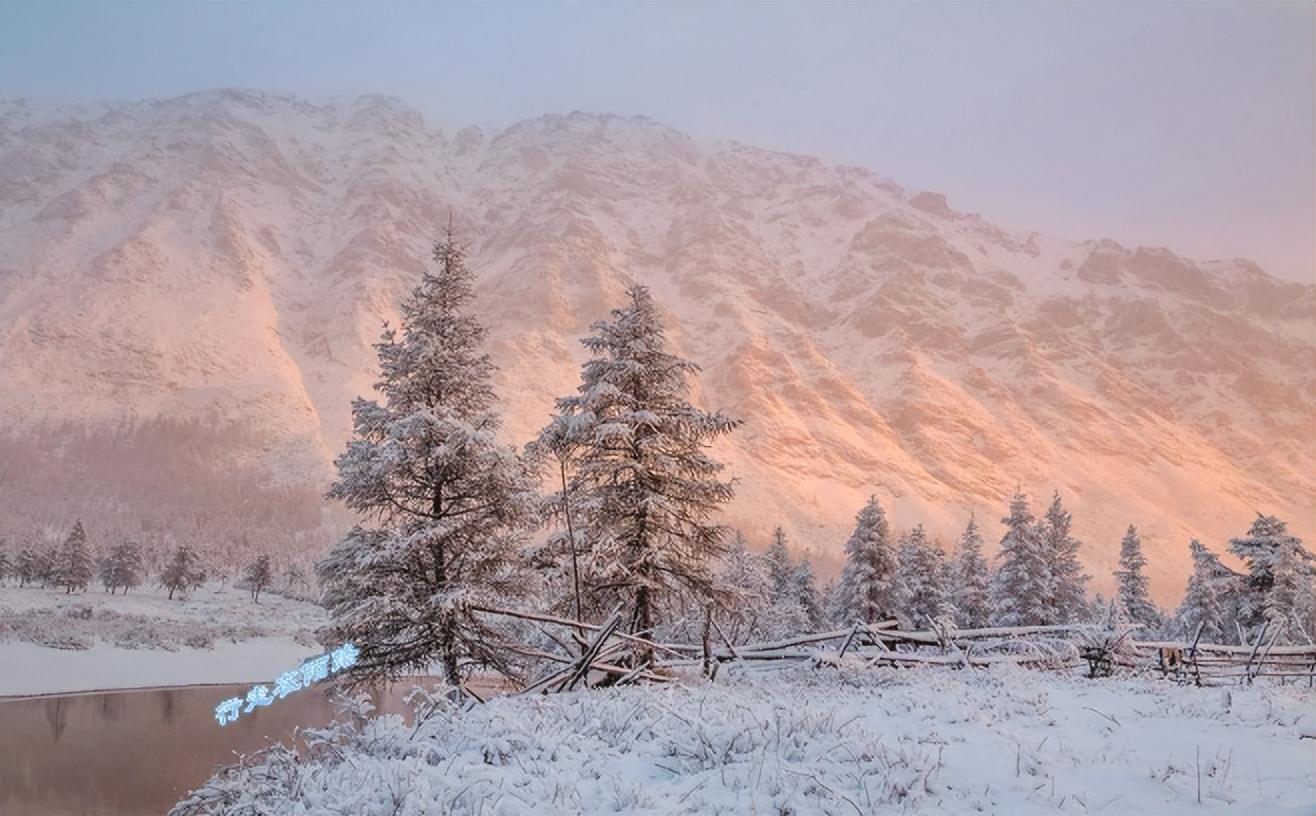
x: 71, y: 564
x: 1038, y: 581
x: 448, y: 511
x: 1276, y: 592
x: 449, y: 514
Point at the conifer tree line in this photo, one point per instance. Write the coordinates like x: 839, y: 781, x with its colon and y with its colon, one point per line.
x: 454, y: 524
x: 72, y: 563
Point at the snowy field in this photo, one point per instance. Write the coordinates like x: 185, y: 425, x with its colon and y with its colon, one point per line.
x: 51, y: 642
x: 799, y: 740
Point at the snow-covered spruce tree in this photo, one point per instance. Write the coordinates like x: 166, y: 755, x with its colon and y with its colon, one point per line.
x: 644, y: 485
x: 1280, y: 572
x: 1021, y: 591
x: 924, y: 598
x: 1303, y: 618
x: 780, y: 567
x: 866, y: 590
x: 258, y: 576
x: 1099, y: 607
x: 126, y: 565
x: 806, y: 594
x: 447, y: 506
x: 1207, y: 601
x: 745, y: 580
x: 1068, y: 597
x: 183, y: 573
x: 27, y: 566
x: 105, y: 569
x: 1133, y: 598
x: 47, y: 564
x: 971, y: 587
x: 74, y: 567
x: 785, y: 615
x: 6, y: 566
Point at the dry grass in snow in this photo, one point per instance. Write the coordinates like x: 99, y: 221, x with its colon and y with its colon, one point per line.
x: 799, y: 740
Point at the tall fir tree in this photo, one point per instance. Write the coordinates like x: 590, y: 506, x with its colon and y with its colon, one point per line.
x: 126, y: 565
x: 258, y: 576
x: 1022, y: 589
x: 780, y: 566
x: 47, y: 564
x: 27, y: 566
x: 866, y: 590
x: 75, y: 566
x: 745, y: 579
x: 971, y: 587
x: 183, y: 573
x: 923, y: 597
x: 806, y: 593
x: 1280, y: 572
x: 1208, y: 599
x: 446, y: 505
x: 6, y: 565
x: 644, y: 485
x: 105, y: 569
x: 1133, y: 598
x: 1303, y: 617
x: 1068, y: 596
x: 785, y: 614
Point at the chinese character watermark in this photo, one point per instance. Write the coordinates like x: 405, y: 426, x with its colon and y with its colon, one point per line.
x: 310, y: 672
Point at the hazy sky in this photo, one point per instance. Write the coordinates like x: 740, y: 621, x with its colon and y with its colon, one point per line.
x: 1182, y: 124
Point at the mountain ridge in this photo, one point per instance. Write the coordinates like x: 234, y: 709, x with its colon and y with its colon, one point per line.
x: 238, y: 251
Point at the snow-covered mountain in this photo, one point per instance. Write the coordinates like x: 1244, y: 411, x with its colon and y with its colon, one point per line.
x: 233, y: 254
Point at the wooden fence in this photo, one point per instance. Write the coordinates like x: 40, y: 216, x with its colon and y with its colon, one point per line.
x: 602, y: 654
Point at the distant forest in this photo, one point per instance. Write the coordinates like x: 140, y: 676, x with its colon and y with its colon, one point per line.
x: 161, y: 483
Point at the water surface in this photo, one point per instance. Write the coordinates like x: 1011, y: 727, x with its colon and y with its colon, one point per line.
x: 129, y: 753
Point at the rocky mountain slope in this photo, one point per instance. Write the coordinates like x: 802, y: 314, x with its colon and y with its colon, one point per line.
x: 232, y: 255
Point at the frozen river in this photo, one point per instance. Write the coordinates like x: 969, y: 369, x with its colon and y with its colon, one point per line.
x: 127, y: 753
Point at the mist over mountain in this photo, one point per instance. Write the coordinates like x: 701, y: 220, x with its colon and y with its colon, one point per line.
x: 229, y: 258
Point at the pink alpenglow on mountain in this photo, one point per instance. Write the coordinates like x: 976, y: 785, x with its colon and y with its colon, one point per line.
x: 230, y: 257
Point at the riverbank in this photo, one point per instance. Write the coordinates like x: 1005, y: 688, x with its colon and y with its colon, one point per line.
x: 54, y: 643
x: 29, y: 669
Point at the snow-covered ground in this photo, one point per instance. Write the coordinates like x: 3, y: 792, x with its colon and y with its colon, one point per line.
x: 799, y: 740
x: 51, y: 642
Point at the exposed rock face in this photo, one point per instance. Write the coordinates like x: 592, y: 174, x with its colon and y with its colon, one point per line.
x: 233, y: 254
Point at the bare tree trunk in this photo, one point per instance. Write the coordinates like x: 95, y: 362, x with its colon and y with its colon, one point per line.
x: 643, y: 624
x: 571, y: 534
x: 708, y: 638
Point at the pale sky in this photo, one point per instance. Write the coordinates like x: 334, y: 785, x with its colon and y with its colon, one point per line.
x: 1188, y: 125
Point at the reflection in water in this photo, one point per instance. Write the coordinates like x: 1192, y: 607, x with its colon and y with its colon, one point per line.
x: 135, y: 752
x: 167, y: 705
x: 111, y: 704
x: 57, y: 714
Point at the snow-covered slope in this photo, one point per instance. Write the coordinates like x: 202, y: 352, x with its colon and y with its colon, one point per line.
x: 1002, y: 741
x: 233, y: 254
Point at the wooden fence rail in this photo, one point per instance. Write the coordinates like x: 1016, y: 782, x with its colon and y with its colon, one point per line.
x: 881, y: 643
